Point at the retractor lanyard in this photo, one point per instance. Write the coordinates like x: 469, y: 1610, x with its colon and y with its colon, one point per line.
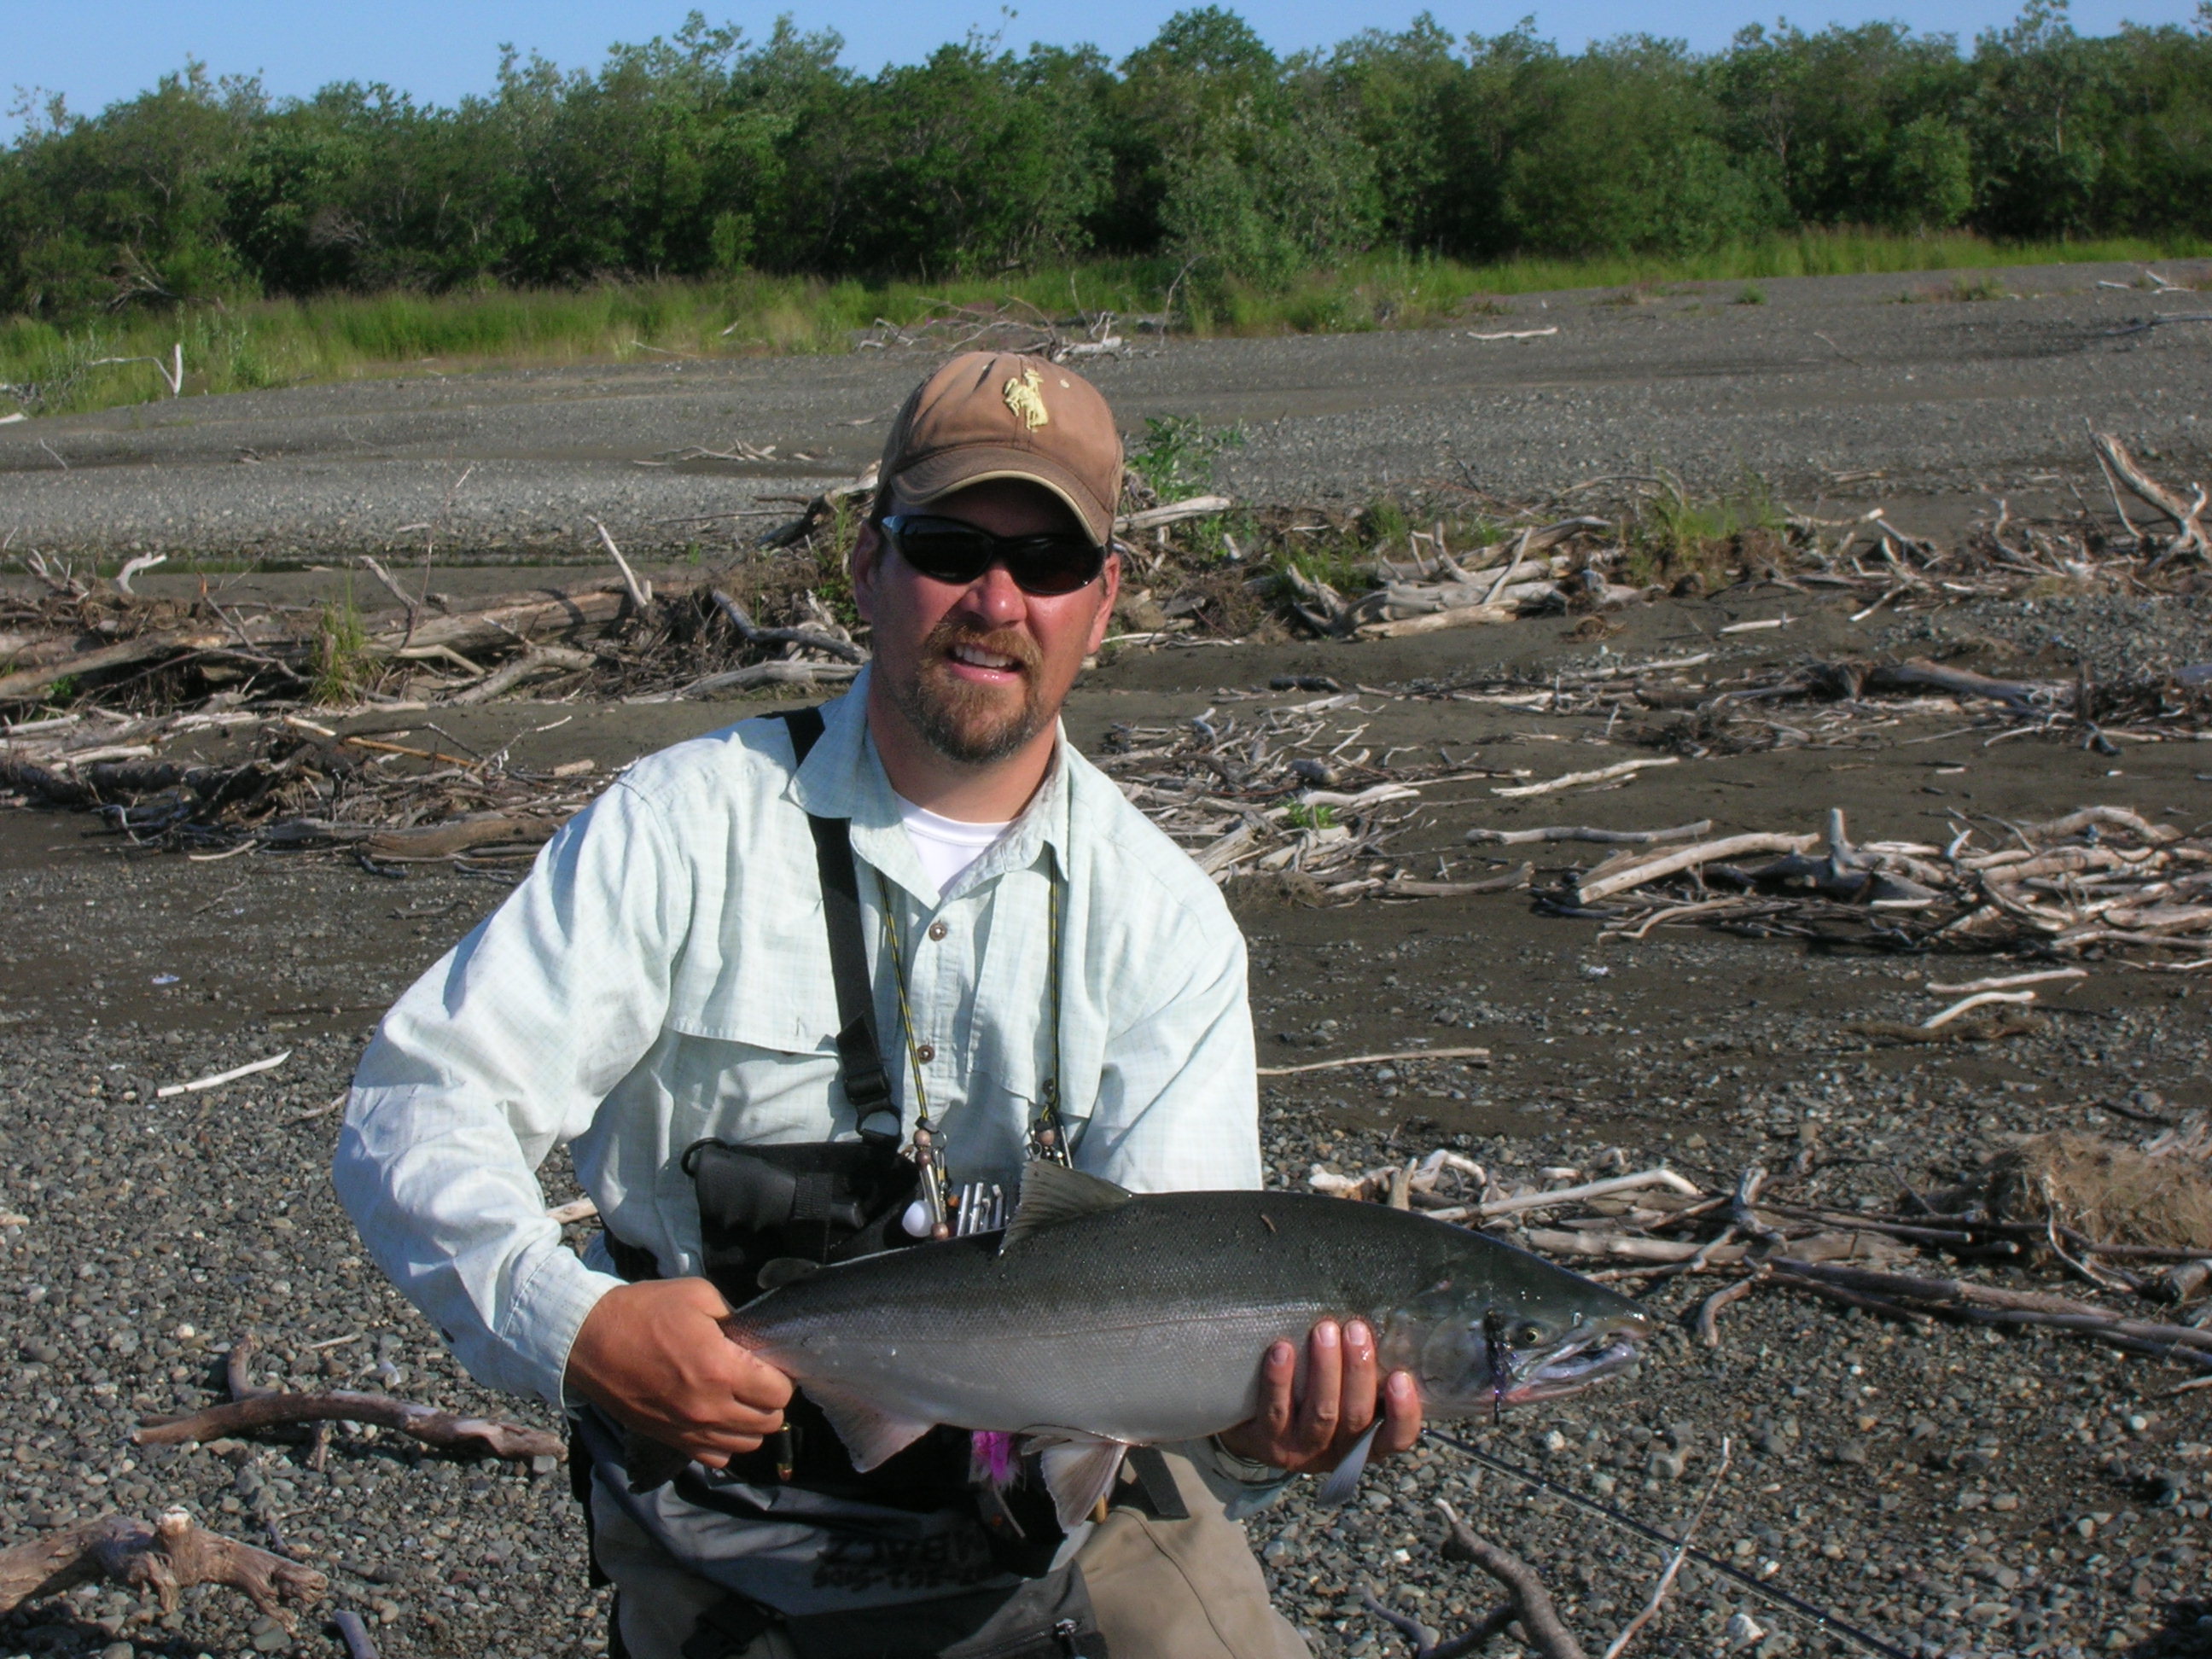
x: 1048, y: 1135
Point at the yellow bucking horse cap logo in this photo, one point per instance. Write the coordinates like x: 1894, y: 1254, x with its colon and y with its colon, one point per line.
x: 1025, y: 399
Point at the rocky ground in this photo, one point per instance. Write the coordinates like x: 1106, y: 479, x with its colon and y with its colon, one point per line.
x: 1948, y: 1491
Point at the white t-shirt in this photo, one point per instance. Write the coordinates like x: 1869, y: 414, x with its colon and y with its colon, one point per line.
x: 946, y: 847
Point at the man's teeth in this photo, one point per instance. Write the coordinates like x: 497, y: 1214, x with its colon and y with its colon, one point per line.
x: 981, y: 659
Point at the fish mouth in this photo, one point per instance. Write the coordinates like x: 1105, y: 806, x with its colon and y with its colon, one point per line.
x: 1573, y: 1364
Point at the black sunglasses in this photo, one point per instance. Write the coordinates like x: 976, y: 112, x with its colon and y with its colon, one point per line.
x: 948, y: 550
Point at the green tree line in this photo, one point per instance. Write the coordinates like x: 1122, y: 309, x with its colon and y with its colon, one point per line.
x: 706, y: 152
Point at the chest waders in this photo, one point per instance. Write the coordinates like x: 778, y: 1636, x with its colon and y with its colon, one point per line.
x: 824, y: 1202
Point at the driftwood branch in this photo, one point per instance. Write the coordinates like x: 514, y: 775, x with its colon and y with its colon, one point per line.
x: 446, y: 1430
x: 535, y: 662
x: 753, y: 633
x: 2184, y: 515
x: 1651, y: 1608
x: 353, y: 1631
x: 1376, y: 1060
x: 1531, y: 1601
x: 1522, y: 1203
x: 172, y: 1554
x: 821, y: 509
x: 1583, y: 832
x: 641, y: 592
x: 1691, y: 858
x: 771, y: 673
x: 1602, y: 774
x: 1908, y: 1296
x: 252, y: 1407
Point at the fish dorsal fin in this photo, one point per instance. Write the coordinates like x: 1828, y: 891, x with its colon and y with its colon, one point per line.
x: 785, y: 1270
x: 871, y: 1435
x: 1052, y: 1193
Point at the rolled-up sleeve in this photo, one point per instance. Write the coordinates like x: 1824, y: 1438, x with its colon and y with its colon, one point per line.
x: 502, y: 1050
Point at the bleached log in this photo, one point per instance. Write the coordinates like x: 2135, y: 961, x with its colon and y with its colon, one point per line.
x: 1603, y: 774
x: 1690, y: 857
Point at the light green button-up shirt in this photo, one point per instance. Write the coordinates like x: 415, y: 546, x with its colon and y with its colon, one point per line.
x: 661, y: 977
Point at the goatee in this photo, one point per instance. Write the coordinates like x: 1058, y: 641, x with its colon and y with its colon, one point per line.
x: 964, y: 721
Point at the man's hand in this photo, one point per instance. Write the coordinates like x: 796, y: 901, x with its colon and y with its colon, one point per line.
x: 1312, y: 1434
x: 652, y: 1356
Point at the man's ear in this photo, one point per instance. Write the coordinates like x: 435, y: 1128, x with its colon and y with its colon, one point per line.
x: 862, y: 565
x: 1110, y: 591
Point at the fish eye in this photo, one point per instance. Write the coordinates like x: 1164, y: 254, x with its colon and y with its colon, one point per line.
x: 1527, y: 1334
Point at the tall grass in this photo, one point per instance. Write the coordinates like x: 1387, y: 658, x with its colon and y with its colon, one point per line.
x: 261, y: 343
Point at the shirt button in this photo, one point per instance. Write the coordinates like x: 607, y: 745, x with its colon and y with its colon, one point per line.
x: 925, y: 1054
x: 937, y: 930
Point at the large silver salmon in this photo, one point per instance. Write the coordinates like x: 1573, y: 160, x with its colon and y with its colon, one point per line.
x: 1101, y: 1319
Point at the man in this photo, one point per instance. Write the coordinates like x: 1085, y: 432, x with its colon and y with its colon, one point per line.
x: 1043, y: 971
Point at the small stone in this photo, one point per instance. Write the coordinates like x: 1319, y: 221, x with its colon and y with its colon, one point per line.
x: 1742, y: 1631
x: 118, y: 1651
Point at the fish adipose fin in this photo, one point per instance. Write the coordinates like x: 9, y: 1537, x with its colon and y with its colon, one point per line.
x: 1052, y: 1193
x: 871, y: 1435
x: 1344, y: 1479
x: 1080, y: 1472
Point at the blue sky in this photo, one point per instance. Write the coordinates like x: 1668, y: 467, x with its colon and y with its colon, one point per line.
x: 95, y: 52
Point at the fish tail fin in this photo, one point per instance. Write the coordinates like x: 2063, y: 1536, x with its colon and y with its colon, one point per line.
x: 1344, y: 1479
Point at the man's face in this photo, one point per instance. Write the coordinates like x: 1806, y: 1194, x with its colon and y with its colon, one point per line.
x: 978, y: 670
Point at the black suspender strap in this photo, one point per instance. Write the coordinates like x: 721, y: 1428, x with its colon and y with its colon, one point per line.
x: 1158, y: 1482
x: 860, y: 1053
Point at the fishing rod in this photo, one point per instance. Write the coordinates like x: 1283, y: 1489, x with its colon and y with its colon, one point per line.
x: 1820, y: 1616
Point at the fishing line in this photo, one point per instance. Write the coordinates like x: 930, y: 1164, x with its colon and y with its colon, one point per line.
x: 1820, y: 1616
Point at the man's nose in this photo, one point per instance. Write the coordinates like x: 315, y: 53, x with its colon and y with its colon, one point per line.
x: 993, y: 597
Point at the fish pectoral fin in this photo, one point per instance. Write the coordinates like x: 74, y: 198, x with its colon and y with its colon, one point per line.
x: 871, y: 1435
x: 1052, y: 1193
x: 1079, y: 1471
x: 785, y: 1270
x: 1344, y: 1479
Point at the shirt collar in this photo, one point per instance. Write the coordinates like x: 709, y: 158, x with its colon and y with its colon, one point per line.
x: 843, y: 777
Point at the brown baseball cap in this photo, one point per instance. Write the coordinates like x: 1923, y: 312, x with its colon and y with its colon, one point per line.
x: 999, y: 415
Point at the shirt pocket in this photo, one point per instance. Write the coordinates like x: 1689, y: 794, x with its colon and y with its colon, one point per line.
x: 763, y: 1068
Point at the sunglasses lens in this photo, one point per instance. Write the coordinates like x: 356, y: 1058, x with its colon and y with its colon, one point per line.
x: 1047, y: 565
x: 946, y: 550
